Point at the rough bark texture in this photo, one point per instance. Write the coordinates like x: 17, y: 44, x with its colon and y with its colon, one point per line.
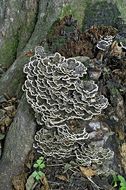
x: 18, y: 143
x: 24, y: 25
x: 13, y: 78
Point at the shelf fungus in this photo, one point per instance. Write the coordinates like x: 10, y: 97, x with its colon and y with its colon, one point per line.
x: 105, y: 43
x: 57, y: 91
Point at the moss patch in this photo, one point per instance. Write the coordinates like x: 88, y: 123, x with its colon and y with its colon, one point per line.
x: 25, y: 31
x: 76, y: 9
x: 8, y: 51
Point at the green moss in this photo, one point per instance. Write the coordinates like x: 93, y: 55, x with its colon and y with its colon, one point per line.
x: 76, y: 9
x: 66, y: 11
x: 51, y: 30
x: 122, y: 8
x: 25, y: 31
x: 114, y: 91
x: 8, y: 51
x: 16, y: 39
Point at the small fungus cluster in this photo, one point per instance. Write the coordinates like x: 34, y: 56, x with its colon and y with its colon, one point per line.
x: 58, y: 92
x: 105, y: 43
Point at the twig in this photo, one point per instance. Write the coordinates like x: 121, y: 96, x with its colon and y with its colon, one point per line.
x: 89, y: 178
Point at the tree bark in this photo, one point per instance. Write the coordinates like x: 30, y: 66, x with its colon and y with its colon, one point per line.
x: 18, y: 143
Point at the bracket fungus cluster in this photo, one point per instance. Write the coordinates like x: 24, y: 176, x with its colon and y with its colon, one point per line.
x: 58, y: 93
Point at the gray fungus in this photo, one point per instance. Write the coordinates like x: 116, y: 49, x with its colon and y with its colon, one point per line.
x: 58, y: 92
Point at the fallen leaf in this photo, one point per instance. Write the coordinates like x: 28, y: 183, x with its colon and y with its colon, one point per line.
x: 62, y: 177
x: 29, y: 53
x: 121, y: 134
x: 123, y: 155
x: 19, y: 181
x: 30, y: 159
x: 87, y: 171
x: 9, y: 108
x: 7, y: 121
x: 13, y: 113
x: 45, y: 183
x: 13, y: 99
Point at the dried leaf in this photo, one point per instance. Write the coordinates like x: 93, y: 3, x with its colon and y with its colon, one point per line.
x: 123, y: 155
x: 9, y: 108
x: 87, y: 171
x: 29, y: 53
x: 13, y: 113
x: 30, y: 159
x: 45, y: 183
x: 62, y: 177
x: 19, y: 181
x: 121, y: 134
x: 7, y: 121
